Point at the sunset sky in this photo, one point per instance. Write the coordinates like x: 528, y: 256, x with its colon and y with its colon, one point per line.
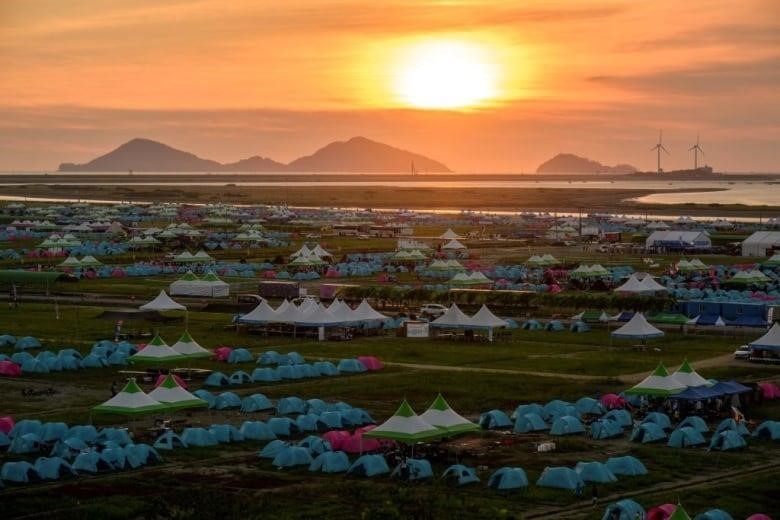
x: 483, y: 86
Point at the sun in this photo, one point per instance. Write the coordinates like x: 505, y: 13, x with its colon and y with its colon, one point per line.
x: 445, y: 75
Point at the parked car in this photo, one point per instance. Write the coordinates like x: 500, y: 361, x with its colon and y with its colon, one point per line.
x: 432, y: 310
x: 742, y: 352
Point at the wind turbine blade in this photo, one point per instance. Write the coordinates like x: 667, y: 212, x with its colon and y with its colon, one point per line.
x: 700, y: 150
x: 694, y: 147
x: 665, y: 150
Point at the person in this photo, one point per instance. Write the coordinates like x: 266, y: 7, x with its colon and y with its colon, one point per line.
x: 113, y: 389
x: 578, y: 490
x: 404, y: 473
x: 594, y: 493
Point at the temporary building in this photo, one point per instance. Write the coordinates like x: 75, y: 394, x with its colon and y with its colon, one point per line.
x: 187, y: 346
x: 596, y: 472
x: 626, y: 465
x: 176, y: 397
x: 162, y: 302
x: 368, y: 466
x: 507, y: 478
x: 560, y: 477
x: 441, y: 415
x: 330, y: 462
x: 131, y: 400
x: 460, y: 474
x: 156, y: 351
x: 657, y: 383
x: 625, y: 509
x: 685, y: 437
x: 687, y: 376
x: 637, y: 328
x: 769, y: 341
x: 405, y: 426
x: 760, y: 242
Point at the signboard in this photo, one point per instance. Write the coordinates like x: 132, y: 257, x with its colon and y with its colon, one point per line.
x: 416, y: 329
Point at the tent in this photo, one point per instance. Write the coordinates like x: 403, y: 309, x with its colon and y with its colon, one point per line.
x: 659, y: 418
x: 156, y: 351
x: 529, y: 422
x: 605, y: 429
x: 566, y: 425
x: 493, y: 420
x: 626, y: 465
x: 625, y: 509
x: 460, y: 474
x: 168, y: 441
x: 713, y: 514
x: 695, y: 422
x: 176, y: 397
x: 648, y: 432
x: 415, y: 469
x: 369, y: 465
x: 290, y: 456
x: 685, y: 437
x: 658, y: 383
x: 508, y: 478
x: 637, y: 328
x: 440, y: 414
x: 405, y: 426
x: 257, y: 431
x: 727, y: 440
x: 769, y: 341
x: 560, y: 477
x: 768, y: 430
x: 21, y: 472
x: 162, y: 302
x: 255, y: 403
x: 665, y: 511
x: 687, y: 376
x: 330, y: 462
x: 131, y: 400
x: 595, y: 472
x: 196, y: 436
x: 187, y: 346
x: 53, y: 468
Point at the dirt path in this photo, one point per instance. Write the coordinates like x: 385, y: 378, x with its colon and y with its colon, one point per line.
x: 449, y: 368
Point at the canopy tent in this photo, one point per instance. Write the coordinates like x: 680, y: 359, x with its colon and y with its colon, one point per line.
x: 687, y: 376
x: 162, y: 302
x: 187, y: 346
x: 131, y: 400
x: 156, y: 351
x: 176, y: 397
x: 405, y: 426
x: 769, y: 341
x: 637, y: 328
x: 659, y: 383
x: 440, y: 414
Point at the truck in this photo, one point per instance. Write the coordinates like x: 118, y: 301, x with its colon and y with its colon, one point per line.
x: 279, y: 289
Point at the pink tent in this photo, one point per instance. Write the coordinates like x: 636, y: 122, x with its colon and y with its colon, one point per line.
x: 6, y: 424
x: 382, y: 278
x: 555, y: 288
x: 336, y: 438
x: 357, y: 444
x: 770, y: 390
x: 759, y: 516
x: 9, y: 368
x: 332, y: 273
x: 612, y: 401
x: 661, y: 512
x: 118, y: 273
x: 222, y: 353
x: 269, y: 274
x: 161, y: 378
x: 371, y: 362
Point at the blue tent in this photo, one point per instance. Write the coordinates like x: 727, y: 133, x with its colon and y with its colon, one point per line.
x: 207, y: 396
x: 416, y: 469
x: 273, y: 448
x: 368, y: 466
x: 558, y: 408
x: 589, y: 406
x: 54, y: 431
x: 225, y: 433
x: 315, y: 445
x: 289, y: 372
x: 217, y: 379
x: 727, y: 440
x: 255, y: 403
x: 290, y: 405
x: 308, y: 423
x: 265, y: 375
x: 20, y: 357
x: 257, y: 431
x: 169, y: 440
x: 119, y: 436
x: 330, y: 421
x: 283, y: 426
x: 595, y: 472
x: 648, y: 432
x: 460, y: 474
x: 626, y: 465
x: 53, y: 468
x: 731, y: 424
x: 68, y: 448
x: 227, y: 400
x: 605, y: 429
x: 356, y: 417
x: 532, y: 325
x: 351, y: 366
x: 661, y: 419
x: 116, y: 457
x: 325, y: 368
x: 768, y: 430
x: 94, y: 361
x: 508, y: 478
x: 84, y: 432
x: 330, y: 462
x: 27, y: 443
x: 713, y: 514
x: 27, y: 342
x: 530, y: 422
x: 625, y: 509
x: 270, y: 357
x: 579, y: 326
x: 685, y: 436
x: 143, y: 454
x: 493, y: 420
x: 620, y: 416
x: 91, y: 462
x: 21, y: 472
x: 554, y: 326
x: 528, y: 408
x: 566, y: 425
x: 316, y: 406
x: 240, y: 355
x: 695, y: 422
x: 292, y: 456
x: 239, y: 377
x: 198, y: 437
x: 560, y: 477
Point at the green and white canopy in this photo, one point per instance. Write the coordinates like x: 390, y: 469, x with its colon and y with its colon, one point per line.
x: 405, y: 426
x: 659, y: 383
x: 440, y: 414
x: 131, y: 400
x: 687, y: 376
x: 186, y: 346
x: 172, y: 394
x: 156, y: 351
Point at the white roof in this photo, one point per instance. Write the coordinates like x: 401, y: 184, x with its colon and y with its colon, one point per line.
x: 163, y: 302
x: 188, y: 346
x: 770, y: 339
x: 452, y: 317
x: 637, y: 327
x: 485, y: 318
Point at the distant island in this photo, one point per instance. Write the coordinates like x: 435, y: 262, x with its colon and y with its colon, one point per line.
x: 356, y: 155
x: 570, y: 163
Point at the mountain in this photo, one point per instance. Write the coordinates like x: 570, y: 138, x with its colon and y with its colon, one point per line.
x: 356, y: 155
x: 364, y: 155
x: 570, y: 163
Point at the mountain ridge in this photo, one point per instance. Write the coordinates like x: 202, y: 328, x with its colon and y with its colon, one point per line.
x: 570, y: 163
x: 358, y: 154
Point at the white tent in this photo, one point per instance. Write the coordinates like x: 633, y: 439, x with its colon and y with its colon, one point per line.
x: 162, y: 302
x: 687, y: 376
x: 263, y: 313
x: 449, y: 235
x: 637, y: 328
x: 172, y: 394
x: 156, y: 351
x: 131, y: 400
x: 453, y: 244
x: 187, y: 346
x: 441, y: 415
x: 486, y: 319
x: 452, y: 317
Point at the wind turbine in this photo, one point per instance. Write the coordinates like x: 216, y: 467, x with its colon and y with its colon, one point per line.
x: 658, y: 149
x: 696, y: 149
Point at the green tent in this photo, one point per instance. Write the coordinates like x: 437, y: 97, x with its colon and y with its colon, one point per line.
x: 440, y: 414
x: 169, y: 392
x: 131, y: 400
x: 679, y: 514
x: 405, y: 426
x: 673, y: 318
x: 156, y: 351
x: 659, y: 383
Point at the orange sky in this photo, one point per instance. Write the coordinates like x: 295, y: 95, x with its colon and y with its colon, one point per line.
x: 227, y: 80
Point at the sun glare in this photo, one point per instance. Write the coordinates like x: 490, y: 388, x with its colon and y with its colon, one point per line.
x: 445, y: 75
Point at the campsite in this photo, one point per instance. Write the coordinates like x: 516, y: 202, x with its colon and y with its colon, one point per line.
x: 495, y: 409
